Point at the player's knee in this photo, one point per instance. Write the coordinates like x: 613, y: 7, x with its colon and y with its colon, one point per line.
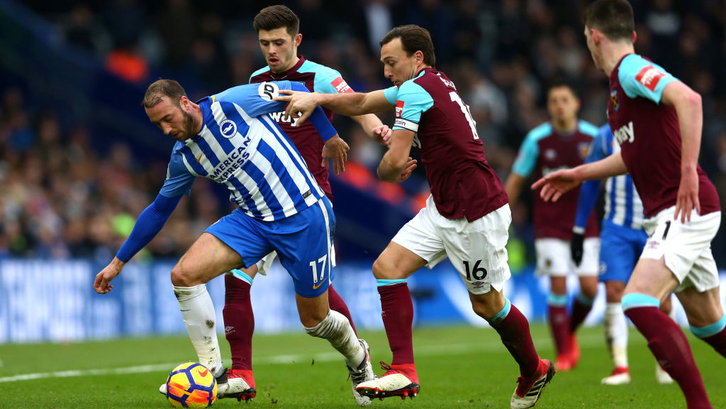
x: 181, y: 277
x: 383, y: 269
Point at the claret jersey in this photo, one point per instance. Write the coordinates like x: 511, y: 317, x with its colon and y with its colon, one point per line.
x: 316, y: 78
x: 462, y: 182
x: 649, y: 135
x: 544, y: 151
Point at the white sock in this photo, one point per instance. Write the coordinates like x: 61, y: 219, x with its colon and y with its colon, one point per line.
x: 198, y: 313
x: 616, y: 333
x: 337, y: 330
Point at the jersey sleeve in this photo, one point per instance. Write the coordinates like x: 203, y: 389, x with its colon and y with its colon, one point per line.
x: 412, y: 101
x: 642, y: 78
x: 148, y: 225
x: 527, y: 157
x: 391, y: 94
x: 329, y: 81
x: 178, y: 179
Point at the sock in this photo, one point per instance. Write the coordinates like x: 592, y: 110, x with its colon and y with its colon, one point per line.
x: 337, y: 304
x: 337, y: 330
x: 580, y: 308
x: 199, y: 317
x: 397, y: 314
x: 714, y: 335
x: 239, y: 320
x: 669, y: 345
x: 559, y: 322
x: 616, y: 333
x: 513, y: 328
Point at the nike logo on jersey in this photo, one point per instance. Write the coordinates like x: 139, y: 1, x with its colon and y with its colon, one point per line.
x: 199, y: 158
x: 316, y: 286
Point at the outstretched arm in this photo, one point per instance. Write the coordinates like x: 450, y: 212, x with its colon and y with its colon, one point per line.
x: 374, y: 128
x: 150, y: 222
x: 690, y: 119
x: 350, y: 104
x: 558, y: 183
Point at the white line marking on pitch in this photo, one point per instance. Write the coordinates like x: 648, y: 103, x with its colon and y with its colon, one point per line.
x: 430, y: 350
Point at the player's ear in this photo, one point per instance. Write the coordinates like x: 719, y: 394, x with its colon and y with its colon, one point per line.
x: 635, y: 35
x: 297, y: 39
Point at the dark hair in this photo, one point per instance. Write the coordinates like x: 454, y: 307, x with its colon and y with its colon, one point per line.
x: 613, y: 17
x: 270, y: 18
x: 163, y: 88
x: 413, y: 38
x: 560, y: 83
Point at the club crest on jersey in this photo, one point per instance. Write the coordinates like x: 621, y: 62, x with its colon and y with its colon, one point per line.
x: 583, y: 149
x: 228, y: 128
x: 399, y: 108
x: 268, y: 90
x: 550, y: 154
x: 614, y: 100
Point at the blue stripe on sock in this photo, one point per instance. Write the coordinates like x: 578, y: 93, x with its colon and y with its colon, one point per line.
x: 242, y: 276
x: 635, y: 300
x: 556, y: 300
x: 708, y: 330
x: 382, y: 283
x: 501, y: 315
x: 585, y: 300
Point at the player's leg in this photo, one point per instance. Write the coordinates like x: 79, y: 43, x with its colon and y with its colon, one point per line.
x: 616, y: 333
x: 478, y: 251
x: 239, y: 325
x: 661, y: 375
x: 582, y: 304
x: 305, y: 250
x: 553, y: 257
x: 207, y: 258
x: 677, y: 256
x: 415, y: 245
x: 705, y: 316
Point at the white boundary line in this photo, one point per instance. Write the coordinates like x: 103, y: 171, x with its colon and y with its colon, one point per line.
x: 432, y: 350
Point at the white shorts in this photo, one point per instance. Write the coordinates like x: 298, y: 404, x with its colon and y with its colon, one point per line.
x: 686, y: 247
x: 476, y: 249
x: 554, y: 258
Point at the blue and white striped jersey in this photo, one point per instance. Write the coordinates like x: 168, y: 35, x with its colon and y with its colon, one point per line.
x: 623, y: 206
x: 241, y: 147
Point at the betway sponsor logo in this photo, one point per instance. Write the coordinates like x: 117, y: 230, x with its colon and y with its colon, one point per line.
x: 624, y: 133
x: 283, y: 118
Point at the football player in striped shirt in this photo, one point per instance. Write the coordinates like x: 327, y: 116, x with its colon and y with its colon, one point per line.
x: 230, y: 138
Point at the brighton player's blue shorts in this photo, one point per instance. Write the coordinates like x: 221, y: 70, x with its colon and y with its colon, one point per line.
x: 620, y: 249
x: 302, y: 241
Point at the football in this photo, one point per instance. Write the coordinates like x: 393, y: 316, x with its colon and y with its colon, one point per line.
x: 191, y: 385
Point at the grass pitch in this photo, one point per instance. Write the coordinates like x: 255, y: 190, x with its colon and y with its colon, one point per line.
x: 459, y: 367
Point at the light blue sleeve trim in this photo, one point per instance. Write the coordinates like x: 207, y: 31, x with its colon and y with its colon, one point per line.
x: 708, y: 330
x: 636, y: 300
x: 556, y: 300
x: 382, y: 283
x: 258, y: 72
x: 628, y: 71
x: 324, y: 76
x: 529, y: 151
x: 501, y: 315
x: 416, y: 100
x: 241, y: 275
x: 391, y: 94
x: 587, y: 128
x: 585, y: 300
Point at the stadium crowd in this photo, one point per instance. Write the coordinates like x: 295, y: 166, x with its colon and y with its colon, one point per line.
x: 62, y: 198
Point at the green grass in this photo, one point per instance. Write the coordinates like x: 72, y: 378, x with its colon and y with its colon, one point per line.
x: 458, y: 367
